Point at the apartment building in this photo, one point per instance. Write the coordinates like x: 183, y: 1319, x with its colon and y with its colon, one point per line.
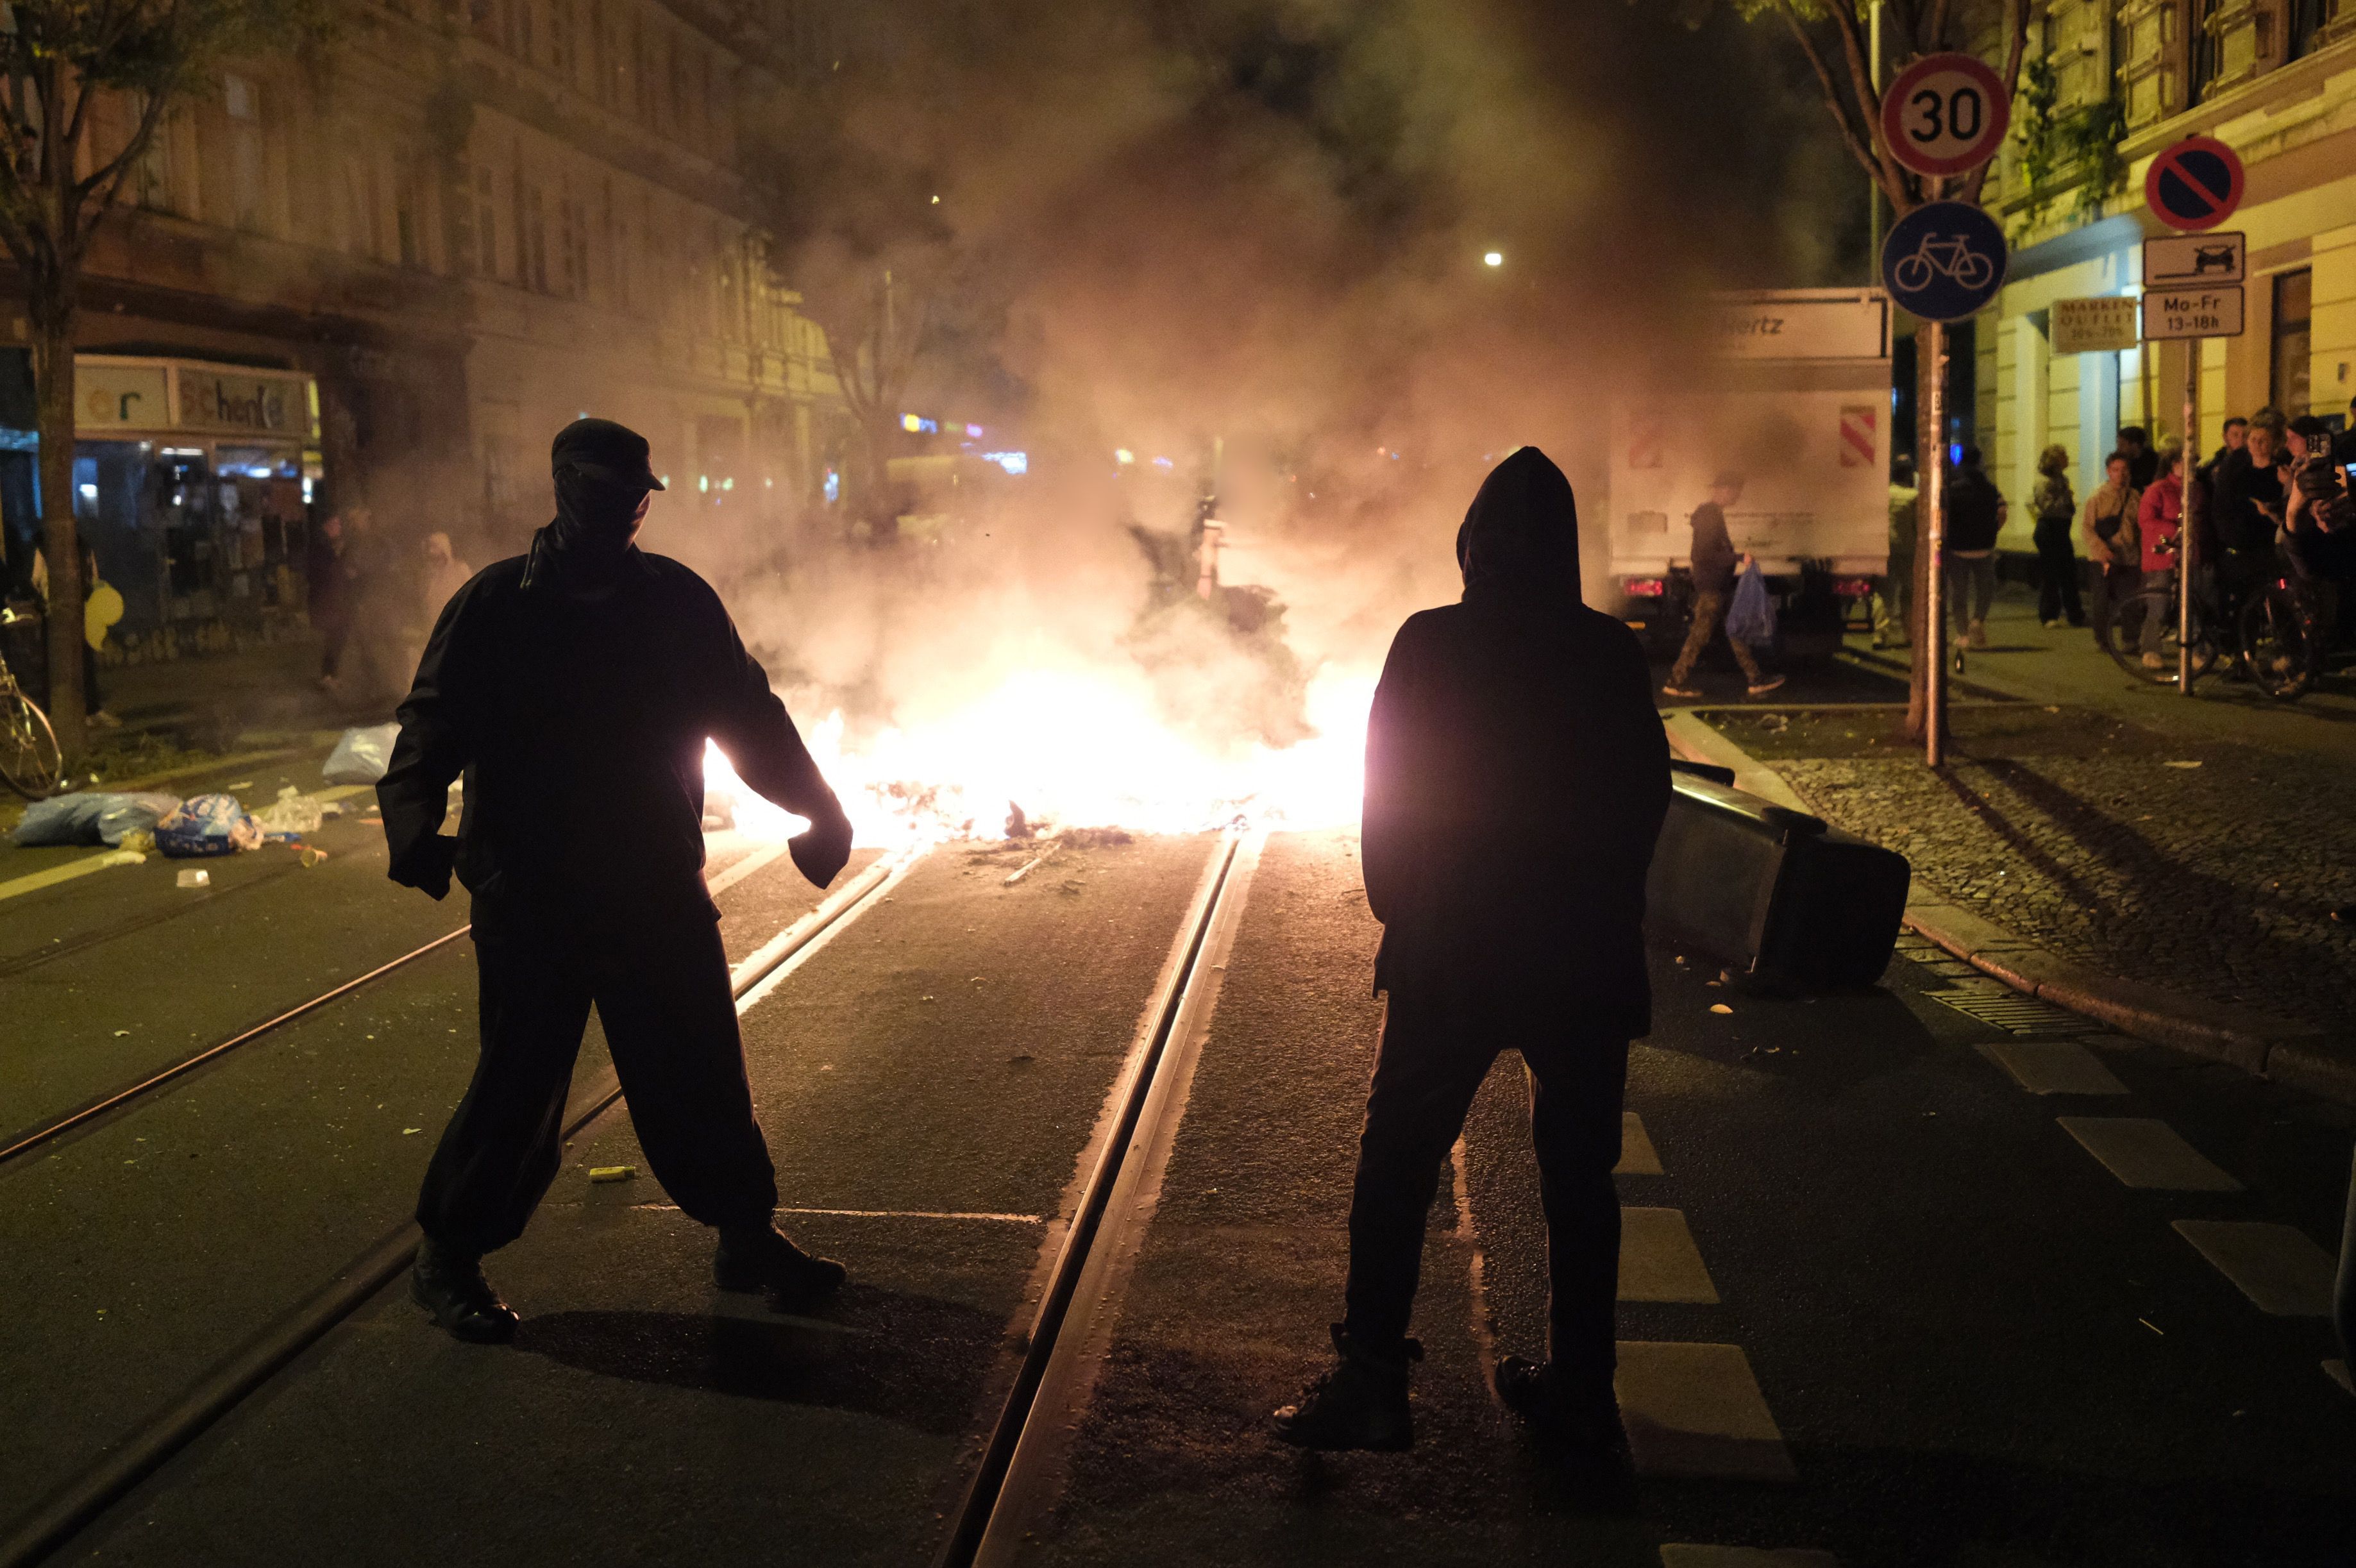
x: 2113, y: 82
x: 388, y: 281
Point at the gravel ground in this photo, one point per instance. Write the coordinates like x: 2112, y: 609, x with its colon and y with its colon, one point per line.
x: 2205, y: 868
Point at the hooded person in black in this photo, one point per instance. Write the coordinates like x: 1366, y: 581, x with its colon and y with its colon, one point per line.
x: 1516, y: 778
x: 575, y: 687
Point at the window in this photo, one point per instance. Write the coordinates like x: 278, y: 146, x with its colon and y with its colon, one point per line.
x: 2291, y: 366
x: 559, y: 36
x: 404, y: 212
x: 2204, y: 51
x: 2305, y: 19
x: 486, y: 227
x: 519, y: 42
x: 536, y: 236
x: 242, y: 103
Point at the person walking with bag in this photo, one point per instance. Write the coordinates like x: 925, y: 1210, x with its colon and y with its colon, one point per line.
x: 1712, y: 564
x: 2058, y: 572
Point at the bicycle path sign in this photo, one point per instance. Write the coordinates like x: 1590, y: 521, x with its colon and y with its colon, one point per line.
x: 1943, y: 260
x: 1946, y: 114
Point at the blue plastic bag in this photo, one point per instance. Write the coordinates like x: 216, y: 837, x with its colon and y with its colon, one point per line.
x: 1752, y: 617
x: 90, y: 817
x: 208, y: 825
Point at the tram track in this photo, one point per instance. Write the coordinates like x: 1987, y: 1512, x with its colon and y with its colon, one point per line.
x: 1022, y: 1455
x: 89, y: 1112
x: 73, y: 1506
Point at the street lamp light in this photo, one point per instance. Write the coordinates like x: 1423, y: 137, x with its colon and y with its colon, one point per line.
x: 1492, y: 259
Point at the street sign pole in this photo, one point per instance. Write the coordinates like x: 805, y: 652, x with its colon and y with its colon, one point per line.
x: 2187, y: 549
x: 1931, y: 340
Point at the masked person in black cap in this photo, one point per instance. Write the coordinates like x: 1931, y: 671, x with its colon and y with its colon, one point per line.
x: 575, y: 687
x: 1517, y: 778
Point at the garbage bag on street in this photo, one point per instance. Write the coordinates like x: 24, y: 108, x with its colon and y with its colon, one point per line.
x: 362, y: 756
x: 90, y: 817
x: 1752, y: 617
x: 292, y: 812
x: 208, y: 825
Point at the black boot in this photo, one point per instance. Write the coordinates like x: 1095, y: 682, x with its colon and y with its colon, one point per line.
x: 1361, y: 1403
x: 760, y: 1258
x: 450, y: 1285
x: 1583, y: 1419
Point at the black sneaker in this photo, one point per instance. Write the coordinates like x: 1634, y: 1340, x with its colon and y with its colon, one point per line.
x: 765, y: 1260
x: 1360, y: 1403
x: 1597, y: 1465
x: 450, y: 1285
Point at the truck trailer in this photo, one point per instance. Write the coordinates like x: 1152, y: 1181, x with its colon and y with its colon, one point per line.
x: 1793, y: 397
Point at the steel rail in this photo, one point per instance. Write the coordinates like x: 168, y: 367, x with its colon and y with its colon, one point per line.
x: 27, y: 1142
x: 974, y: 1522
x: 79, y: 1502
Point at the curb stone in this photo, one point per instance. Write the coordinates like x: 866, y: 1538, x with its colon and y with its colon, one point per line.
x: 2299, y: 1054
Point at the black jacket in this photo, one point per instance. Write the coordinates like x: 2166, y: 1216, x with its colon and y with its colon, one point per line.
x: 580, y: 727
x: 1713, y: 552
x: 1516, y: 776
x: 1972, y: 508
x: 2237, y: 503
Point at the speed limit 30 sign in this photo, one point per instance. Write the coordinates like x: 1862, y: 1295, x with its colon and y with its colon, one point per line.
x: 1946, y: 114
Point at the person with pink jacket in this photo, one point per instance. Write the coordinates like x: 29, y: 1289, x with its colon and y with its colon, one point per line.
x: 2160, y: 527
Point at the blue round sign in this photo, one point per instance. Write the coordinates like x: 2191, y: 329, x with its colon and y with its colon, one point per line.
x: 1943, y: 260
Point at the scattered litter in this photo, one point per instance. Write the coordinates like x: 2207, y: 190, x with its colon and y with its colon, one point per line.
x: 122, y: 1033
x: 292, y: 812
x: 1094, y: 838
x: 2180, y: 764
x: 241, y: 784
x: 194, y: 876
x: 2156, y: 1328
x: 141, y: 843
x: 925, y: 999
x: 1719, y: 1007
x: 208, y: 825
x: 311, y: 857
x: 612, y: 1173
x: 1028, y: 866
x: 361, y: 756
x: 411, y: 1132
x: 1021, y: 1058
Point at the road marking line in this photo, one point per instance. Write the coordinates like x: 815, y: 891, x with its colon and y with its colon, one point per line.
x: 2053, y: 1067
x: 33, y: 882
x: 1685, y: 1555
x: 1658, y: 1260
x: 742, y: 869
x: 1637, y: 1155
x: 879, y: 1214
x: 2278, y: 1267
x: 1695, y: 1409
x: 2145, y: 1152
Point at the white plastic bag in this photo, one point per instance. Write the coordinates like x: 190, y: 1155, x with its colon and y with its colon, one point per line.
x: 292, y: 812
x: 362, y: 756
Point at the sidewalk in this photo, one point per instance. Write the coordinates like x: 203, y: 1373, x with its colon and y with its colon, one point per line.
x: 2104, y: 832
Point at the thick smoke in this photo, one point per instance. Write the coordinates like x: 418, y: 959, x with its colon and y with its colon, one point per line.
x: 1248, y: 239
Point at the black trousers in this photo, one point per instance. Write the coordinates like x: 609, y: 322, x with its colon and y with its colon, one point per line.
x: 1435, y: 1052
x: 2057, y: 572
x: 670, y: 1024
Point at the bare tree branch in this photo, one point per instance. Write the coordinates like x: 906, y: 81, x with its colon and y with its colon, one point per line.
x: 1858, y: 149
x: 2017, y: 24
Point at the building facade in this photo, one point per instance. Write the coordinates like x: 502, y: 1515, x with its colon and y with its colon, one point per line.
x: 477, y: 221
x: 2112, y: 82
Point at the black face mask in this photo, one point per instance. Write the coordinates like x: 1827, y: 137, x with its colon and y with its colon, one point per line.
x: 595, y: 521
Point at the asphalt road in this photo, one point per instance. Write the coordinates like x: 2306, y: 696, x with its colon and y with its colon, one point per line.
x: 1886, y: 1302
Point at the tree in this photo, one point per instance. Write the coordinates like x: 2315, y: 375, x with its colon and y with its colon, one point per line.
x: 60, y: 59
x: 1850, y: 95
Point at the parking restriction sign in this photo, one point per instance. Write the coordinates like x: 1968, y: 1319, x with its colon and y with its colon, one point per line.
x: 2194, y: 184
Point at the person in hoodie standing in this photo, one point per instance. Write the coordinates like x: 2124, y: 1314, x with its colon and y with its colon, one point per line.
x: 575, y: 687
x: 1516, y: 778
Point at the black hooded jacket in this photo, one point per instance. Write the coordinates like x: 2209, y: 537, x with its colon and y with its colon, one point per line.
x: 1516, y: 776
x: 576, y: 697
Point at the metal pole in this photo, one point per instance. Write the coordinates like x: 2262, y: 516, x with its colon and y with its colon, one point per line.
x: 1931, y: 343
x: 2185, y: 548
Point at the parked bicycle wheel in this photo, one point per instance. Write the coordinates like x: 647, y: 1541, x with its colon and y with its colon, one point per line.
x: 29, y: 758
x: 2279, y: 640
x: 2121, y: 635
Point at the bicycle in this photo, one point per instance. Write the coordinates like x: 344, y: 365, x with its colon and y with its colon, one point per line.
x: 1952, y: 258
x: 2275, y: 637
x: 29, y: 758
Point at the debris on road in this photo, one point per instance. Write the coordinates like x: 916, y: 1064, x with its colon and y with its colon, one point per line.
x: 208, y: 825
x: 193, y: 876
x: 612, y: 1173
x: 361, y: 756
x: 88, y: 817
x: 1719, y: 1007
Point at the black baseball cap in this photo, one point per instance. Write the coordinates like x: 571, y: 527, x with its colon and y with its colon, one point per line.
x: 604, y: 450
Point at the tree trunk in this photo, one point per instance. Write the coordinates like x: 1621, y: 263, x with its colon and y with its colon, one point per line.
x: 1930, y: 447
x: 49, y: 320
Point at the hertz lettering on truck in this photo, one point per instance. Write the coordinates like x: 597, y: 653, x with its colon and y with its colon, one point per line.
x: 1751, y: 326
